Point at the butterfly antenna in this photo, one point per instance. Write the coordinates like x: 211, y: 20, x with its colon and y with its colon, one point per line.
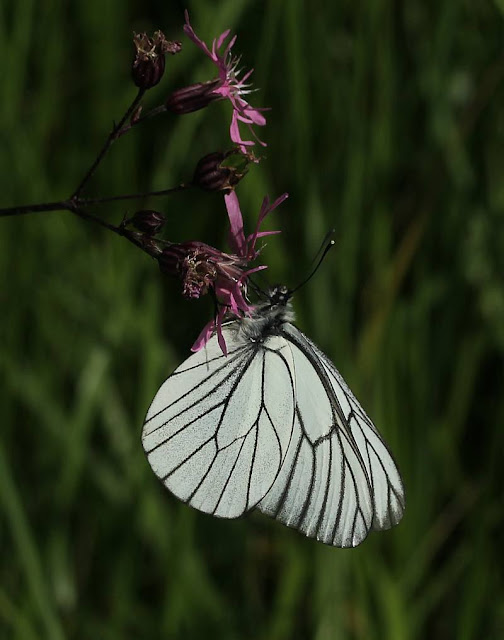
x: 323, y: 245
x: 325, y: 251
x: 256, y: 288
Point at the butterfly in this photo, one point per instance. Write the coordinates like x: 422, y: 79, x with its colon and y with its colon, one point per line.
x: 273, y: 426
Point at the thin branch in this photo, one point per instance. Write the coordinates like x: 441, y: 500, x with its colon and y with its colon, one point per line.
x: 62, y: 205
x: 146, y: 244
x: 150, y: 114
x: 114, y: 134
x: 131, y: 196
x: 73, y: 203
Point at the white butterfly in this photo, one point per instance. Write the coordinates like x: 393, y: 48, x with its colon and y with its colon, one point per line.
x: 272, y: 426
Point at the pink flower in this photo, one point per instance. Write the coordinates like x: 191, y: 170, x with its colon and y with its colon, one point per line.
x: 244, y: 248
x: 203, y: 268
x: 231, y: 86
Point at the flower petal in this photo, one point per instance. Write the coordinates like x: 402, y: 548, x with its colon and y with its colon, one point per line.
x: 204, y: 336
x: 189, y: 31
x: 220, y: 335
x: 222, y: 37
x: 236, y: 234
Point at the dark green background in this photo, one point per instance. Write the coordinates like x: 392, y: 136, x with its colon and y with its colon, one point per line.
x: 387, y: 124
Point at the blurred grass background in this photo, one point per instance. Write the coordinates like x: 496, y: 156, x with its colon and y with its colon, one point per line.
x: 387, y: 124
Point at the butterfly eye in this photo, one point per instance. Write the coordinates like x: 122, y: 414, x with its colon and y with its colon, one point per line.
x: 279, y: 295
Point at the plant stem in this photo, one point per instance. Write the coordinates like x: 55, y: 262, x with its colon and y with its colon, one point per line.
x: 130, y: 196
x: 152, y: 249
x: 34, y: 208
x: 70, y: 205
x: 114, y: 134
x: 149, y: 114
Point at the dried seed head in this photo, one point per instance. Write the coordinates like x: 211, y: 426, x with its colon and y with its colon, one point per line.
x: 200, y: 267
x: 149, y: 60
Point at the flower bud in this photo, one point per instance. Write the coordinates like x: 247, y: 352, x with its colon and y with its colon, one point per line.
x: 149, y: 61
x: 148, y: 221
x: 220, y: 171
x: 192, y: 98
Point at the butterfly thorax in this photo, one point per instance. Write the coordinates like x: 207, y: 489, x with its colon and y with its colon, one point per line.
x: 267, y: 318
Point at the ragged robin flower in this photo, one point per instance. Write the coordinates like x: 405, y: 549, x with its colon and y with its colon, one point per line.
x: 203, y: 268
x: 230, y: 86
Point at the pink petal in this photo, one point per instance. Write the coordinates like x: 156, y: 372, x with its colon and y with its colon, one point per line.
x: 220, y: 335
x: 259, y: 268
x: 262, y: 234
x: 229, y: 47
x: 189, y: 31
x: 235, y: 135
x: 222, y: 37
x: 266, y: 208
x: 224, y: 89
x: 247, y: 112
x: 247, y: 76
x: 252, y: 132
x: 255, y: 116
x: 238, y: 301
x: 204, y: 336
x: 236, y: 234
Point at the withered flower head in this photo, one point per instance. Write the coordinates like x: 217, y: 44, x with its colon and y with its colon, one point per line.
x: 149, y: 61
x: 200, y: 267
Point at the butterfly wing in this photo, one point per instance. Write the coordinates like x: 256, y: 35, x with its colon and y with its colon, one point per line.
x: 219, y: 427
x: 338, y: 478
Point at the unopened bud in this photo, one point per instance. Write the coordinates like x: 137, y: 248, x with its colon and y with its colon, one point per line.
x: 149, y: 61
x: 148, y: 221
x: 192, y: 98
x: 220, y: 171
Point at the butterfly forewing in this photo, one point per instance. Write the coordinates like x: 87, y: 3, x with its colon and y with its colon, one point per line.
x: 219, y: 427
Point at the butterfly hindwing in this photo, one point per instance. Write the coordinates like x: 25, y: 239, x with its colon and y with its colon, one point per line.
x: 381, y: 468
x: 323, y: 489
x: 369, y: 451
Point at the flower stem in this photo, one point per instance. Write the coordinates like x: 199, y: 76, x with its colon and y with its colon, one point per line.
x: 62, y: 205
x: 85, y: 202
x: 70, y: 205
x: 114, y: 134
x: 151, y: 248
x: 150, y: 114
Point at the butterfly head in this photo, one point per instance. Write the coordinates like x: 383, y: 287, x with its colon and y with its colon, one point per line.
x: 279, y: 296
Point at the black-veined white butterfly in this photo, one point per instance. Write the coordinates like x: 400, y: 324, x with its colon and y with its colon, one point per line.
x: 272, y: 426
